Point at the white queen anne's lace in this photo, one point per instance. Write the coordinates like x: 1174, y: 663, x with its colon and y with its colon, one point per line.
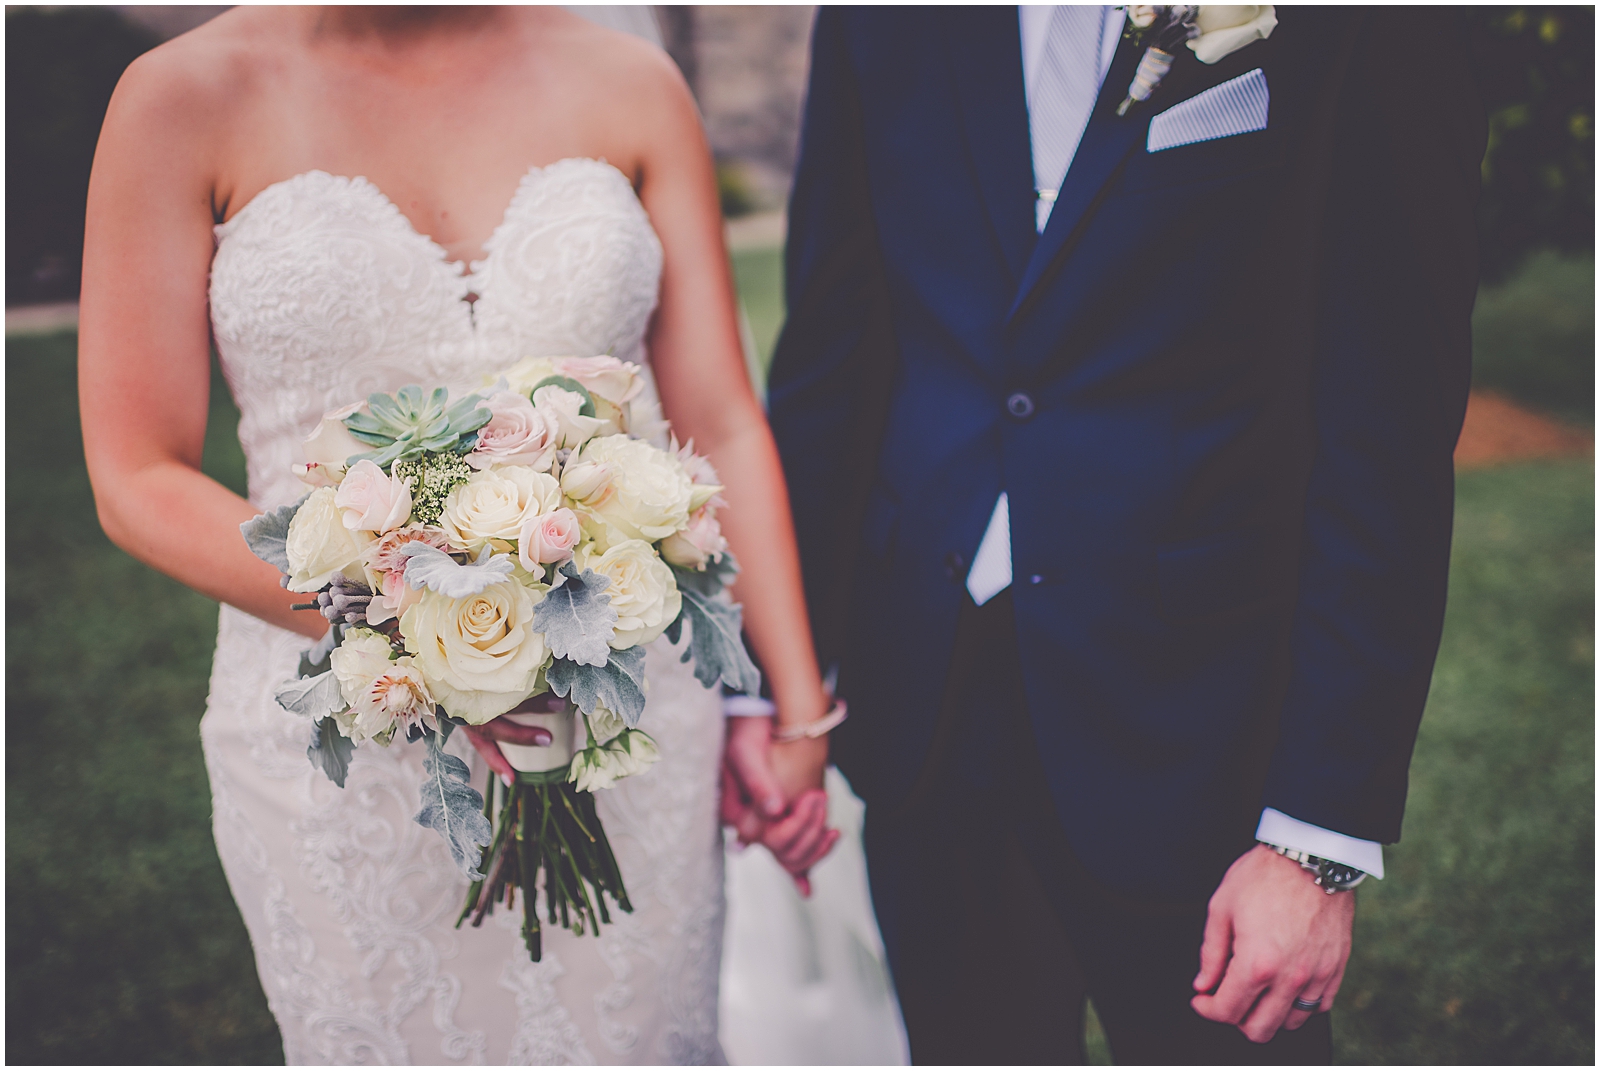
x: 322, y: 292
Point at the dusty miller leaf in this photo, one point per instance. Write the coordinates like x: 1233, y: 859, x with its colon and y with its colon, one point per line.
x: 453, y: 808
x: 715, y: 645
x: 267, y: 533
x: 330, y: 750
x: 313, y: 697
x: 618, y: 686
x: 710, y: 581
x: 577, y: 619
x: 428, y: 566
x: 317, y: 660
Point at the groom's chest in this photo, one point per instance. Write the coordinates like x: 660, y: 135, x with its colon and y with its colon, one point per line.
x: 1190, y: 177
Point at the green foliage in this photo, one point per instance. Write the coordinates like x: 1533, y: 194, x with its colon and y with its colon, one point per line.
x: 61, y: 65
x: 1533, y: 335
x: 1478, y: 947
x: 1535, y: 76
x: 577, y: 619
x: 431, y: 478
x: 715, y: 644
x: 122, y: 942
x: 734, y: 189
x: 331, y: 751
x: 452, y: 807
x: 267, y: 534
x: 617, y: 686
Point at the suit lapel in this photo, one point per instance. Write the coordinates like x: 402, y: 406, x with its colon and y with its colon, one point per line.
x: 1106, y: 141
x: 985, y: 51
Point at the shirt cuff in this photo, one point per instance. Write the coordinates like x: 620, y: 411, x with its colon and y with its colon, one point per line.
x: 1279, y: 829
x: 747, y: 706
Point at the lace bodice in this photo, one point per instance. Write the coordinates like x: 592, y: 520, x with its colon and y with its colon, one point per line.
x: 322, y: 292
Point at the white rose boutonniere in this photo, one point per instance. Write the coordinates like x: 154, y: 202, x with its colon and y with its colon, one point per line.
x: 1211, y: 31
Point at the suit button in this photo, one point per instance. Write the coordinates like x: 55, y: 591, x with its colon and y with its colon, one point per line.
x: 1019, y: 406
x: 1036, y: 579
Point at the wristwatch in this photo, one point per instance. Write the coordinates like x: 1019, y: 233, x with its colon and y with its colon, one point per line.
x: 1333, y: 877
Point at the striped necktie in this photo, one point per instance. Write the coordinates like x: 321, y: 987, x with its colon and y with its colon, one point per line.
x: 1062, y: 96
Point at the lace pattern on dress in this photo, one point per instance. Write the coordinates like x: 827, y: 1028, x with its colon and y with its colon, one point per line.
x: 322, y: 292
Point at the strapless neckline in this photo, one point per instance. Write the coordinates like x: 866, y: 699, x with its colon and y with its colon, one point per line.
x: 465, y: 269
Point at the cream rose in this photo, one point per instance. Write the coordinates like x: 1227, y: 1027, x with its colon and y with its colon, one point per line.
x: 480, y: 654
x: 649, y: 495
x: 527, y: 373
x: 1225, y: 29
x: 495, y: 504
x: 318, y: 543
x: 515, y: 435
x: 560, y: 409
x: 329, y: 447
x: 363, y: 655
x: 371, y: 500
x: 642, y: 590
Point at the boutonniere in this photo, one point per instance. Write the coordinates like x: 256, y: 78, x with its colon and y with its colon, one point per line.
x: 1211, y: 31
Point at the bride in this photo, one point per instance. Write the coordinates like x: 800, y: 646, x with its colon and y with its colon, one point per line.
x: 346, y: 201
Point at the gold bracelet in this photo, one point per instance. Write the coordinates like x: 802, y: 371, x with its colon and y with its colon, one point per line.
x: 813, y: 729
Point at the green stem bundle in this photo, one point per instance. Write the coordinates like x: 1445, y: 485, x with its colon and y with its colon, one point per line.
x: 546, y: 824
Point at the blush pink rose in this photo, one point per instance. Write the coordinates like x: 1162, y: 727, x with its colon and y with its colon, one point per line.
x: 517, y: 434
x: 372, y: 501
x: 548, y: 538
x: 696, y: 544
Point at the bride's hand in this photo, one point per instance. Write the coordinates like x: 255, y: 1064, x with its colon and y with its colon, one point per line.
x: 772, y: 794
x: 486, y: 737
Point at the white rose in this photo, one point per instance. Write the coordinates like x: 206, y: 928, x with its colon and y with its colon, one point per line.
x: 605, y: 725
x: 318, y: 544
x: 515, y: 435
x: 329, y: 447
x: 523, y: 376
x: 642, y: 590
x: 596, y: 768
x: 361, y: 656
x: 649, y: 495
x: 480, y: 654
x: 560, y: 410
x: 1225, y: 29
x: 496, y: 504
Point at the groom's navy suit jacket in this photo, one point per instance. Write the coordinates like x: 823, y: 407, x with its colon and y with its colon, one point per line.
x: 1221, y: 390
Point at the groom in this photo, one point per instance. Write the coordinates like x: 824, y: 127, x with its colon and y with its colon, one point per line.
x: 1117, y: 417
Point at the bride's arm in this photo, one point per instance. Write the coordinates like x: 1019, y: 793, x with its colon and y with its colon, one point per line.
x: 144, y: 340
x: 699, y: 364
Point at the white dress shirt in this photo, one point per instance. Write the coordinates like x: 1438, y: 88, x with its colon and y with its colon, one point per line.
x: 991, y: 565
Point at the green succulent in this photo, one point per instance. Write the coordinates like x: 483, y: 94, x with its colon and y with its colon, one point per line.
x: 431, y: 478
x: 405, y: 425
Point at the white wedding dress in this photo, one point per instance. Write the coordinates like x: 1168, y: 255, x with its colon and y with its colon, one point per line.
x: 322, y: 292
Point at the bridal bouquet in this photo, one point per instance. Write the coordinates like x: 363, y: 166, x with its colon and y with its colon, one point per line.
x: 527, y: 540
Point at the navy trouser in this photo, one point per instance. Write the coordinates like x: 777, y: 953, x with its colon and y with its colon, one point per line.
x: 996, y: 933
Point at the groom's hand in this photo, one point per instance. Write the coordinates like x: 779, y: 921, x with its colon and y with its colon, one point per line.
x: 772, y: 794
x: 1271, y: 935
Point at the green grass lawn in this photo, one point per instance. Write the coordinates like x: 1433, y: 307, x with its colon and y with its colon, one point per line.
x: 123, y: 945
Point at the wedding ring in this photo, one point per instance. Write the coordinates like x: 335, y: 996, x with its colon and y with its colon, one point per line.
x: 1304, y: 1005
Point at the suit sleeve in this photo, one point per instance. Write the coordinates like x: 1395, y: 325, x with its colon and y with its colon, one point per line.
x: 831, y: 372
x: 1389, y: 387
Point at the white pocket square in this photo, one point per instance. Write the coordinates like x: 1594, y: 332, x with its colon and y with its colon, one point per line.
x: 1237, y: 106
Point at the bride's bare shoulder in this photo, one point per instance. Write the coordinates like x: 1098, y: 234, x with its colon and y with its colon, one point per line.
x: 201, y: 78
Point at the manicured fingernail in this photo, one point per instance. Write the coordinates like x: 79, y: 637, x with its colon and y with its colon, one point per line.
x: 773, y: 806
x: 505, y: 780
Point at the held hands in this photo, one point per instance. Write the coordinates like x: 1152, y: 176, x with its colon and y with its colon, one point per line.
x: 772, y: 794
x: 1272, y: 936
